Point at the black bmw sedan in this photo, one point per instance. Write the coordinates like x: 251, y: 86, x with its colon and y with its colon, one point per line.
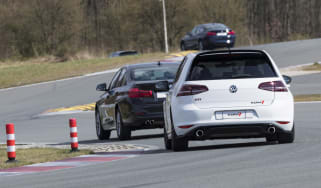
x: 208, y: 36
x: 130, y: 101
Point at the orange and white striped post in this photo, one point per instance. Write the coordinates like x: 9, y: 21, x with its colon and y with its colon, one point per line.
x: 73, y: 135
x: 11, y: 143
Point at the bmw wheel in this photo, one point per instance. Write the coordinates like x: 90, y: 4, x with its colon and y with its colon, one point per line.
x: 101, y: 133
x: 123, y: 132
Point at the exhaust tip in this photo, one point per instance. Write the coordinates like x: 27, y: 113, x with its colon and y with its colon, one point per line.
x: 149, y: 122
x: 199, y: 133
x: 271, y: 130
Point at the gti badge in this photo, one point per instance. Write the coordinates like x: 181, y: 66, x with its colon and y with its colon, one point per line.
x: 233, y: 89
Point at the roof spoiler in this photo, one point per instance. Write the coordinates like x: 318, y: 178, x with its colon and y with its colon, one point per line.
x: 210, y: 52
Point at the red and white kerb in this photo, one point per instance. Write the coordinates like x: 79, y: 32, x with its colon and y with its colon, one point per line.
x: 73, y: 134
x: 11, y: 143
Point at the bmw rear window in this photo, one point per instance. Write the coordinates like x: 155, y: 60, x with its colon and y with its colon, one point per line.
x: 231, y: 66
x: 154, y: 73
x: 215, y: 27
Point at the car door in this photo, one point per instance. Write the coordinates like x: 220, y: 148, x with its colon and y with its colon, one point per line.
x: 189, y: 41
x: 200, y: 34
x: 120, y: 95
x: 115, y: 95
x: 196, y: 37
x: 108, y: 104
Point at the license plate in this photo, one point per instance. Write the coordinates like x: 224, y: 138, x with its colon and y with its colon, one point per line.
x: 221, y: 34
x: 161, y: 95
x: 234, y: 114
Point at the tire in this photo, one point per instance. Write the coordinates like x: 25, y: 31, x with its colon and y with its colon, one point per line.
x: 284, y: 137
x: 183, y: 48
x: 178, y: 144
x: 167, y: 142
x: 100, y: 132
x: 200, y: 46
x: 123, y: 132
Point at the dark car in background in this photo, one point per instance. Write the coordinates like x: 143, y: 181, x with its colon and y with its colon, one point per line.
x: 208, y: 36
x: 130, y: 101
x: 123, y: 53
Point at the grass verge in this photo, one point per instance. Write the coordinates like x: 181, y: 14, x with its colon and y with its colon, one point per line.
x: 306, y: 98
x: 315, y: 67
x: 37, y: 155
x: 29, y: 72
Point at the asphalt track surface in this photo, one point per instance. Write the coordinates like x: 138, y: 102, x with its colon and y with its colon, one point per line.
x: 220, y: 163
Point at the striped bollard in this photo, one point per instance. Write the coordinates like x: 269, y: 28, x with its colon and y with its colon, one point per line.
x: 11, y: 143
x: 73, y: 135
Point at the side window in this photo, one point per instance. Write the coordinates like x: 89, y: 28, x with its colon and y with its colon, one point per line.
x: 122, y: 78
x: 200, y: 30
x: 194, y: 31
x: 114, y: 80
x: 180, y: 69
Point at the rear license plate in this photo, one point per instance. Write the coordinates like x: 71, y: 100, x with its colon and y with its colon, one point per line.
x: 161, y: 95
x: 234, y: 114
x: 221, y: 34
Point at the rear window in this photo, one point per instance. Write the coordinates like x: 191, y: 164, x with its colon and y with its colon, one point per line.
x: 128, y: 53
x: 215, y: 26
x: 154, y: 73
x: 231, y: 66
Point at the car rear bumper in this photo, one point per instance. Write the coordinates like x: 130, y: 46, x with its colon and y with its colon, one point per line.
x: 213, y: 42
x: 148, y: 121
x: 144, y: 116
x: 232, y: 131
x: 190, y: 114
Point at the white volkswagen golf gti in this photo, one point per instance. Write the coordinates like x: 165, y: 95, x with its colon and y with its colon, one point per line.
x: 227, y: 94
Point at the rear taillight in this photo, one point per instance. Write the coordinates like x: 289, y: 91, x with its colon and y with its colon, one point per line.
x: 283, y: 122
x: 187, y: 90
x: 231, y: 32
x: 185, y: 126
x: 276, y: 86
x: 211, y: 33
x: 138, y: 93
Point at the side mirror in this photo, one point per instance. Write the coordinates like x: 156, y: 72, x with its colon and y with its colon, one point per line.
x: 287, y: 79
x: 162, y: 86
x: 189, y: 33
x: 101, y: 87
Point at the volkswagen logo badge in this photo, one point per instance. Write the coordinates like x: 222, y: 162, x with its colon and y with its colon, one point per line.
x: 233, y: 89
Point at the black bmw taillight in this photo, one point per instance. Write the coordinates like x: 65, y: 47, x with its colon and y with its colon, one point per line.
x: 188, y: 89
x: 138, y: 93
x: 276, y: 86
x: 211, y: 33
